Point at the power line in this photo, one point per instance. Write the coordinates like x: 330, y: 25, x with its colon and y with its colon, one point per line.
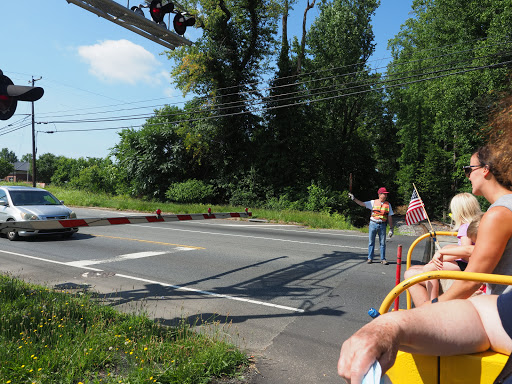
x: 307, y: 74
x: 283, y: 97
x: 471, y: 69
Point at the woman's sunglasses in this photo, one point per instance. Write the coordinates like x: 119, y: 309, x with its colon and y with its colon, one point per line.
x: 469, y: 168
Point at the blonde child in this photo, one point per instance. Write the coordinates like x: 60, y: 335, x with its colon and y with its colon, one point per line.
x: 464, y: 208
x: 452, y: 257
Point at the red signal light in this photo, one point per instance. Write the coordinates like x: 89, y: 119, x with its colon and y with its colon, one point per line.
x: 158, y: 11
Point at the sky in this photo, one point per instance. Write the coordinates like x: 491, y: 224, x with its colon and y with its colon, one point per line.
x: 92, y: 68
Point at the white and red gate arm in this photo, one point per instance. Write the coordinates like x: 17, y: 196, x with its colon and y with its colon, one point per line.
x: 96, y: 222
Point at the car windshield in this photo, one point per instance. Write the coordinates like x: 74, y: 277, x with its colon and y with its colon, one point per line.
x: 33, y: 198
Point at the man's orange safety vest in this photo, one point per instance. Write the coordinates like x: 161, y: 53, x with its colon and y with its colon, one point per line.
x: 380, y: 211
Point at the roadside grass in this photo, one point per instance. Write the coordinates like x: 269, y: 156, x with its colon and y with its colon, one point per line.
x: 54, y: 337
x: 124, y: 203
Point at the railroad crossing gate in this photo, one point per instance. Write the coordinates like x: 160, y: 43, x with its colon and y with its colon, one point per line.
x: 125, y: 17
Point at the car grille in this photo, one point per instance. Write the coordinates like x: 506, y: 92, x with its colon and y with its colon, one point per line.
x: 62, y: 217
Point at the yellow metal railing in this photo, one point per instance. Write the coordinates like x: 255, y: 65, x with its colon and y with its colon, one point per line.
x: 413, y: 245
x: 476, y: 368
x: 455, y: 275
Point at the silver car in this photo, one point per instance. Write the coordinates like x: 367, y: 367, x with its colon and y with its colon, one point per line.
x: 26, y: 203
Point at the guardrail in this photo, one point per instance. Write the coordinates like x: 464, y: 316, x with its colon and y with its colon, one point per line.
x: 95, y: 222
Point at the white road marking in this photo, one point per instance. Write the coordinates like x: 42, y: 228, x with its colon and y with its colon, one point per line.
x: 208, y: 293
x: 274, y: 227
x: 250, y: 237
x: 177, y: 287
x: 46, y: 260
x: 128, y: 256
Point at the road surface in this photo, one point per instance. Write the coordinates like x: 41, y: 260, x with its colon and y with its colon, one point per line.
x: 288, y: 295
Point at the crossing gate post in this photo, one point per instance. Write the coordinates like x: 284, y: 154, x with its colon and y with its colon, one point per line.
x: 398, y: 272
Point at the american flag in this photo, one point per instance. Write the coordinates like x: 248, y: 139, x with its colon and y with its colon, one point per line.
x: 415, y: 211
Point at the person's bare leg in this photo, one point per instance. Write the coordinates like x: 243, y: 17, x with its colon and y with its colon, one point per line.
x: 488, y: 311
x: 433, y: 285
x: 442, y: 329
x: 418, y: 292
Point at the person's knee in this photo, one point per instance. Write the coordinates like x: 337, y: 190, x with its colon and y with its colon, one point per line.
x: 413, y: 271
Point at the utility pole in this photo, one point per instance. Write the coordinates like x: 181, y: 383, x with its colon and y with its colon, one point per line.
x: 34, y: 140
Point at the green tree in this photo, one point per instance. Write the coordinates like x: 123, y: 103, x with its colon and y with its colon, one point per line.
x: 7, y: 155
x: 27, y: 157
x: 46, y: 166
x: 68, y: 168
x: 449, y: 67
x: 6, y: 167
x: 225, y: 64
x: 281, y: 148
x: 156, y: 156
x: 346, y: 108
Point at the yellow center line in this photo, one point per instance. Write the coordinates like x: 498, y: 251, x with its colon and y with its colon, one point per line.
x: 148, y: 241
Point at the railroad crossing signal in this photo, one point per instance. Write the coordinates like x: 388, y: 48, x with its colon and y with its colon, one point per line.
x: 158, y: 10
x: 181, y: 22
x: 10, y: 94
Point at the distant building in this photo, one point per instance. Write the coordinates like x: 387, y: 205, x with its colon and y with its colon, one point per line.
x: 21, y: 172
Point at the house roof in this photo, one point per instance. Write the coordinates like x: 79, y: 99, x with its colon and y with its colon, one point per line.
x: 21, y: 166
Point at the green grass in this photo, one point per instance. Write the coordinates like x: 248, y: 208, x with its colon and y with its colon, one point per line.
x: 53, y: 337
x: 89, y: 199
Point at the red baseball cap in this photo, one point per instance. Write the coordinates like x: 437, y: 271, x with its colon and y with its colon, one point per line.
x: 382, y: 190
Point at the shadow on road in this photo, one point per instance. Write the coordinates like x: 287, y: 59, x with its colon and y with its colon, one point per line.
x: 301, y: 285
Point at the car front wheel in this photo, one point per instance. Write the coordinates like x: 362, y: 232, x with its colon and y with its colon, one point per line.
x: 12, y: 235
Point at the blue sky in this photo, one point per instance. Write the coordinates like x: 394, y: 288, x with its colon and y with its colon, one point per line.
x: 90, y: 66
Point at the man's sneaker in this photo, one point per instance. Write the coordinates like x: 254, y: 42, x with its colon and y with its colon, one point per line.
x: 369, y: 261
x: 385, y: 262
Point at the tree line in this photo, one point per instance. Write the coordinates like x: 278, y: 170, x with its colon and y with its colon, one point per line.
x: 325, y: 113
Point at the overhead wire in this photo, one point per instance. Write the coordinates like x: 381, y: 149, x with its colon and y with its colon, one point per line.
x: 302, y: 75
x: 317, y: 100
x: 306, y: 92
x: 300, y: 94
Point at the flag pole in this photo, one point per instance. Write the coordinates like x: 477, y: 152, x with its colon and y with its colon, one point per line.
x: 426, y: 214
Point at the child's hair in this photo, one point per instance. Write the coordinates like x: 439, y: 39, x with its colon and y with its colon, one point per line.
x: 473, y: 226
x: 464, y: 207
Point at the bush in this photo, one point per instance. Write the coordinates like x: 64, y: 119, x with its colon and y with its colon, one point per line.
x: 283, y: 202
x: 321, y: 199
x: 94, y: 179
x: 190, y: 191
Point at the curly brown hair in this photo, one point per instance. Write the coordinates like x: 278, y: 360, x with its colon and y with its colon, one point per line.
x: 497, y: 154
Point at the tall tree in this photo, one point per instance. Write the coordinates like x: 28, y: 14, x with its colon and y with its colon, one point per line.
x: 46, y: 167
x: 281, y: 143
x: 449, y: 66
x: 7, y: 155
x: 340, y: 84
x: 6, y: 167
x: 158, y: 155
x: 225, y: 64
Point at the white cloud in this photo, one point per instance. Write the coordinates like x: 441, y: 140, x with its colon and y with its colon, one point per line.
x: 122, y: 61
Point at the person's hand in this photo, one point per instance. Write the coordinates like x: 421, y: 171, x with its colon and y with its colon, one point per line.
x: 351, y: 196
x: 390, y: 234
x: 375, y: 341
x: 437, y: 259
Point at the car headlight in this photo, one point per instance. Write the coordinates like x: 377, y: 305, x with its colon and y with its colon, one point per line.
x: 72, y: 215
x: 29, y: 216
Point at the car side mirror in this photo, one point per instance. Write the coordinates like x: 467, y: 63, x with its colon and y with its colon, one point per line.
x: 61, y: 201
x: 4, y: 203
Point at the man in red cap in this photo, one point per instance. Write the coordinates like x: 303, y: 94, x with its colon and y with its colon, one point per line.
x: 381, y: 214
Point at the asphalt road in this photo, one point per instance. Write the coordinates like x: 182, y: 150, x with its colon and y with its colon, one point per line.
x: 285, y: 294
